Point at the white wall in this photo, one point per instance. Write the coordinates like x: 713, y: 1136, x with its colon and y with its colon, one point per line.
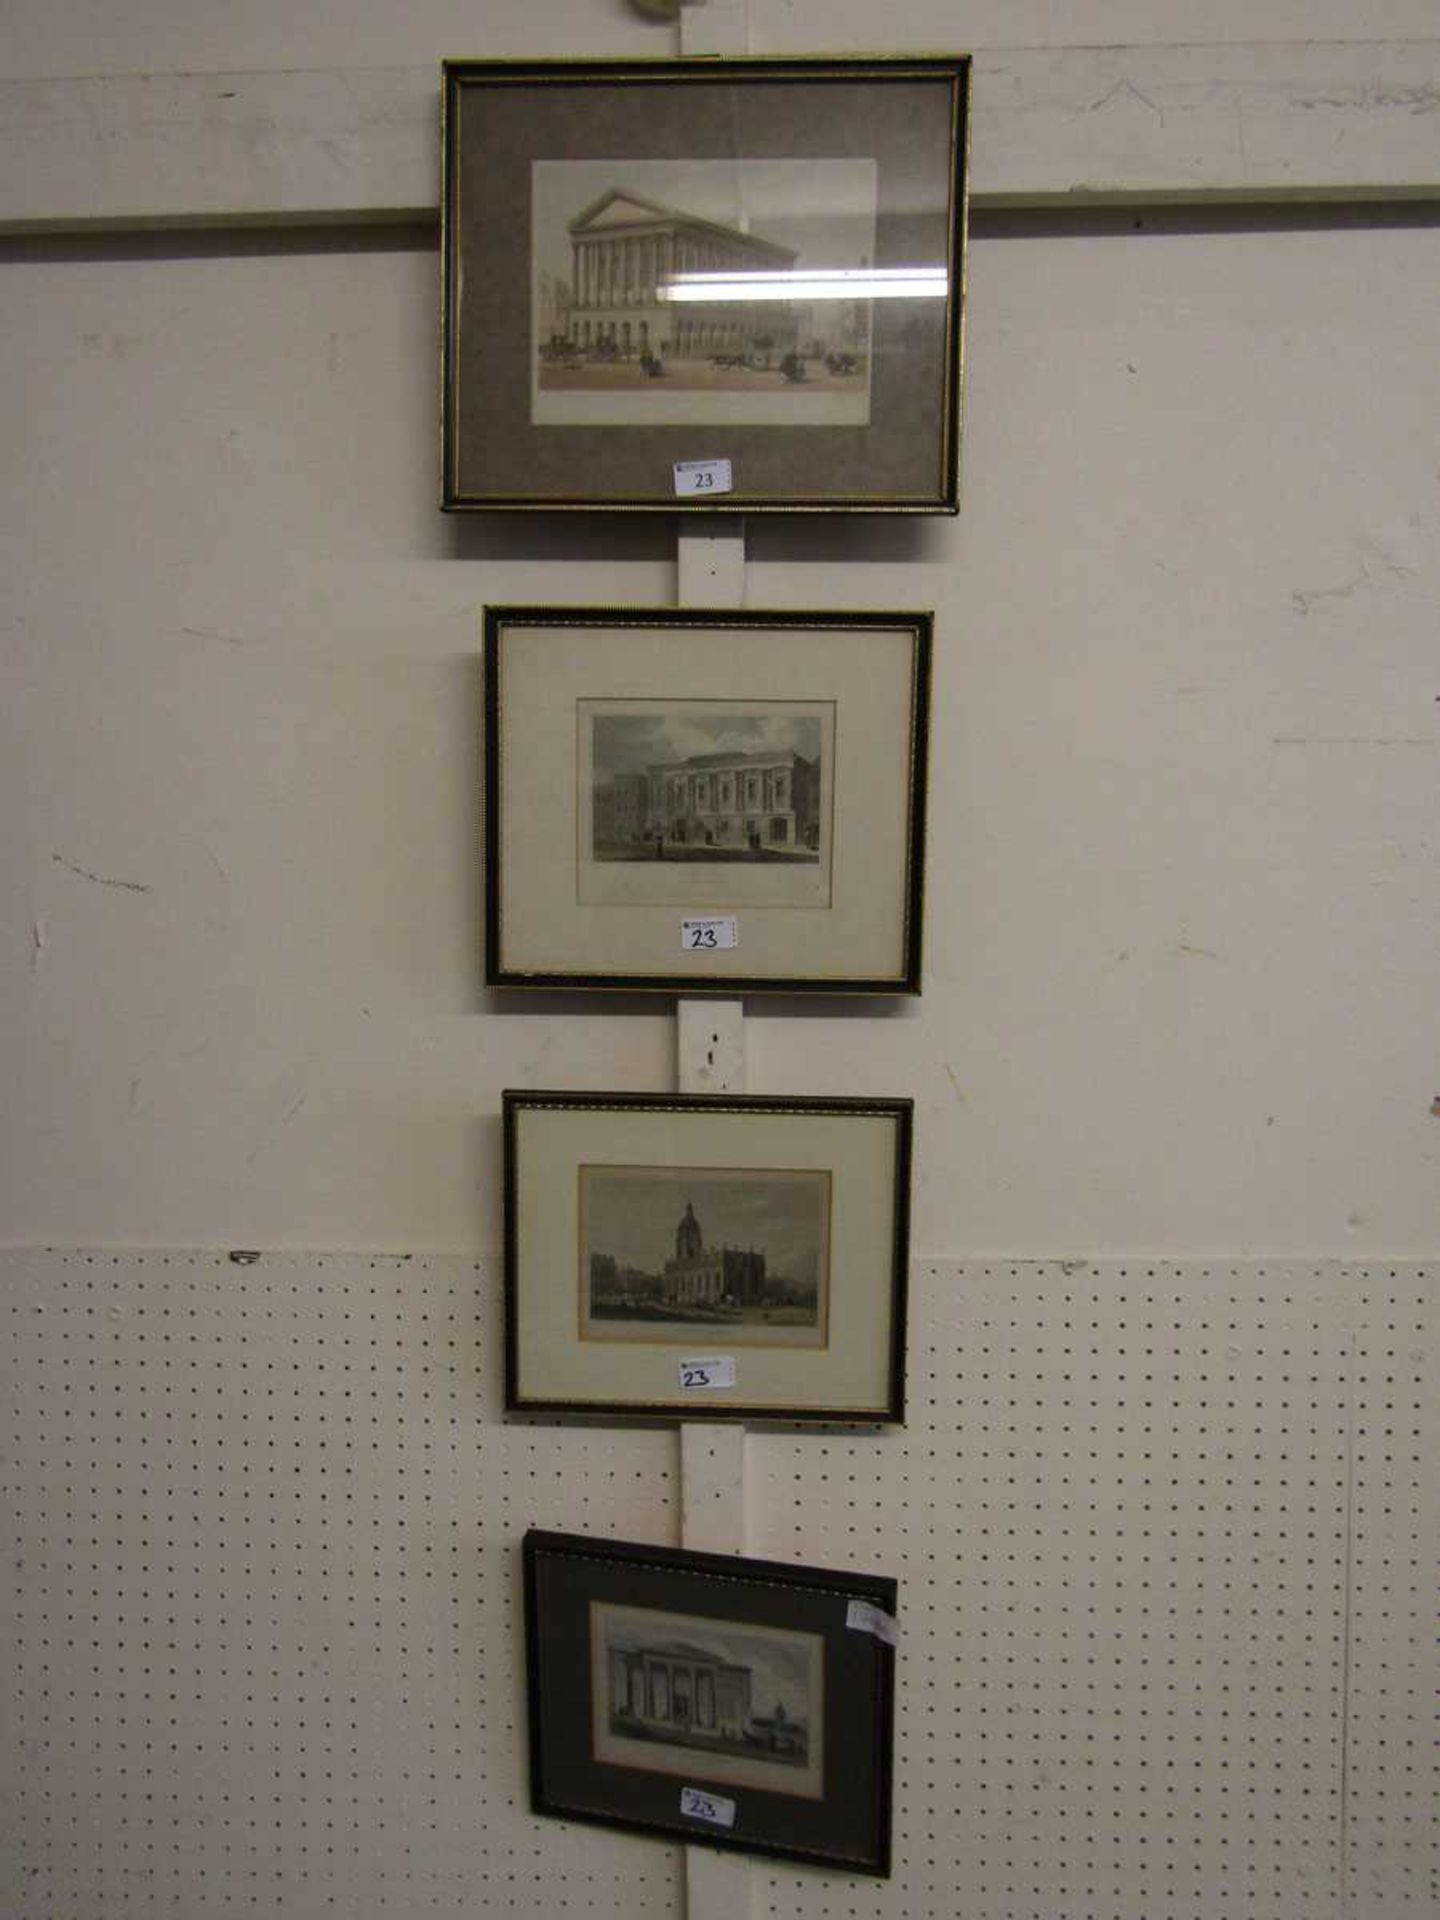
x: 1181, y: 905
x: 91, y: 37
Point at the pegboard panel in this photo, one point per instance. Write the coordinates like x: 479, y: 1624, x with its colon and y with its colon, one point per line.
x: 1166, y: 1538
x: 263, y: 1610
x: 1392, y: 1724
x: 1156, y: 1527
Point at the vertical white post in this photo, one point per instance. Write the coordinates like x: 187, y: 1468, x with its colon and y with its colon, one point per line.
x: 710, y: 1058
x: 712, y: 550
x: 710, y: 1045
x: 712, y: 1495
x: 711, y: 561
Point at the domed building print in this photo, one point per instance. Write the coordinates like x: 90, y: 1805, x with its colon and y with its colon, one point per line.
x: 667, y: 1252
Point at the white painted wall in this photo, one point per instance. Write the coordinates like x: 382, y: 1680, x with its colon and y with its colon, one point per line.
x: 1181, y: 881
x: 93, y: 37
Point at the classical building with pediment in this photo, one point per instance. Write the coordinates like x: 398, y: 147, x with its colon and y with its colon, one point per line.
x: 736, y: 802
x: 675, y: 1688
x: 625, y: 248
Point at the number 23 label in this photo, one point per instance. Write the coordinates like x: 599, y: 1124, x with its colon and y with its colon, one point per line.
x: 709, y: 935
x: 713, y: 1808
x: 702, y: 476
x: 702, y: 1376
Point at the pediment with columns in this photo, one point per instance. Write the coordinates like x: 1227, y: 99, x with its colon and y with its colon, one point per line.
x: 617, y: 209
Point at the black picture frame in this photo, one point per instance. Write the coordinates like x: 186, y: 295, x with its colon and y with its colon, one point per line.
x: 574, y: 377
x: 820, y: 881
x: 784, y: 1297
x: 735, y: 1703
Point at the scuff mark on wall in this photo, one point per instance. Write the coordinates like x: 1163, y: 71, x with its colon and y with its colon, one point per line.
x: 100, y: 879
x: 1417, y: 99
x: 1351, y: 740
x: 1122, y: 87
x: 37, y: 945
x: 286, y: 1114
x: 226, y: 639
x: 1377, y: 569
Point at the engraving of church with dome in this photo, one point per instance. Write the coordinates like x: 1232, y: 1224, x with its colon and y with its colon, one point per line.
x: 669, y: 1252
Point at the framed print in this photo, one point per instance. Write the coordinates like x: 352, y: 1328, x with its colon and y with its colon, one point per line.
x: 741, y: 1703
x: 753, y: 266
x: 705, y: 801
x: 707, y: 1256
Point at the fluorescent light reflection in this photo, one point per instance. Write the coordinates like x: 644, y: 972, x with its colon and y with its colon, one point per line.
x: 802, y: 283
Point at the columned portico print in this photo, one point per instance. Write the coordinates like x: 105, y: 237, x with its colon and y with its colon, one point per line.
x: 675, y: 1687
x: 625, y: 249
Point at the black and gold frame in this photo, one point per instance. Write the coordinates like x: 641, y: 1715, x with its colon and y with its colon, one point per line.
x: 657, y: 262
x: 697, y: 802
x: 713, y: 1257
x: 738, y: 1703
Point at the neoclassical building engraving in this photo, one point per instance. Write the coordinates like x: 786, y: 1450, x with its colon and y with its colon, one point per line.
x: 736, y: 802
x: 675, y: 1689
x: 625, y: 249
x: 625, y: 330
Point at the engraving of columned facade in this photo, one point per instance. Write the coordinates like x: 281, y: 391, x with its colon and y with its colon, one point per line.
x: 745, y: 801
x: 740, y: 1702
x: 625, y: 249
x: 677, y: 1690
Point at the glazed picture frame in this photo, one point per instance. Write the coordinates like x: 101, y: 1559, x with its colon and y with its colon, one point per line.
x: 694, y: 801
x: 750, y: 264
x: 711, y: 1257
x: 731, y: 1702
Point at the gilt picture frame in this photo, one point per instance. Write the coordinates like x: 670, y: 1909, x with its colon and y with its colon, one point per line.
x: 733, y: 1702
x: 709, y: 1257
x: 694, y: 801
x: 649, y: 264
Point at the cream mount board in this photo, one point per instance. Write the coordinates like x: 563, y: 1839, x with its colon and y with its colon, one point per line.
x: 1166, y: 1536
